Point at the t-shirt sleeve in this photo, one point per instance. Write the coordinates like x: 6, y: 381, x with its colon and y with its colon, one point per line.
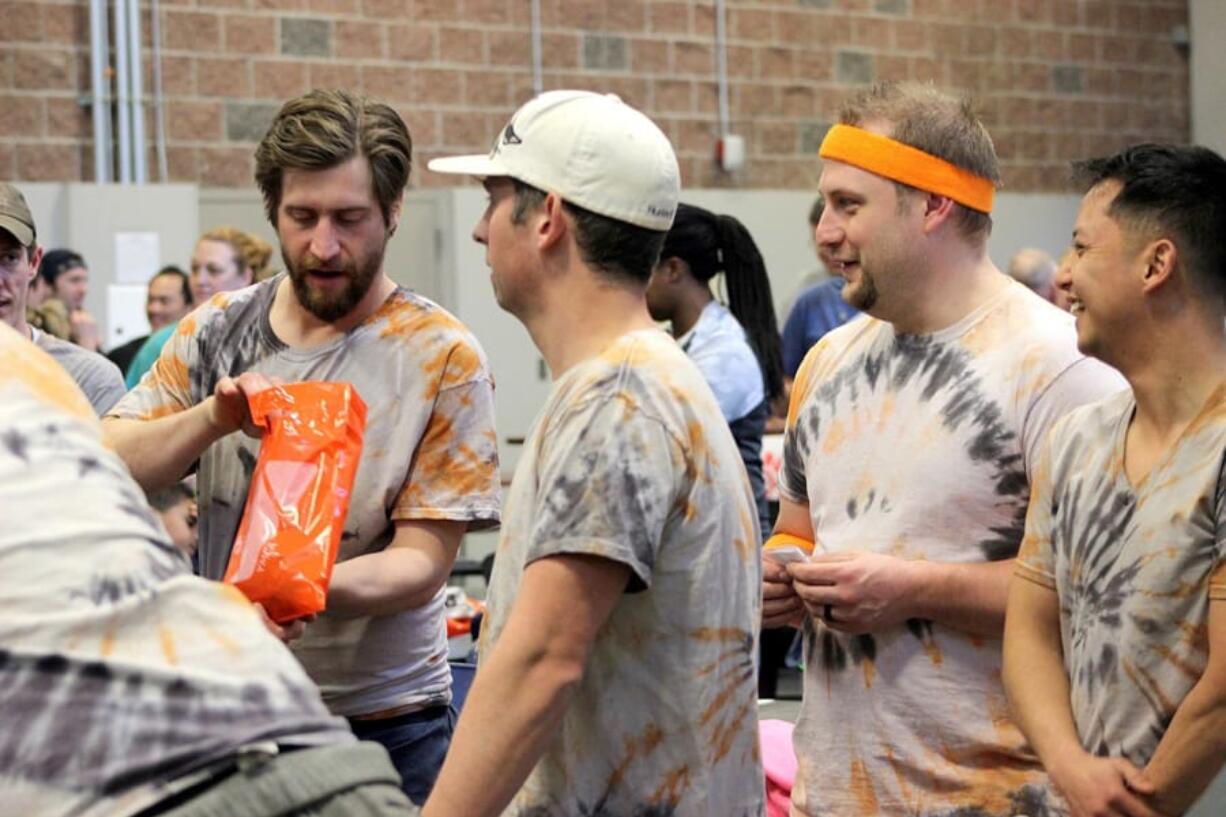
x: 1036, y: 558
x: 1084, y: 381
x: 102, y: 384
x: 166, y: 388
x: 608, y: 479
x: 793, y: 485
x: 1217, y: 576
x: 454, y: 474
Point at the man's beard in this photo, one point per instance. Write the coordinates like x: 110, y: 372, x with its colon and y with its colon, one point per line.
x: 863, y: 293
x: 326, y: 306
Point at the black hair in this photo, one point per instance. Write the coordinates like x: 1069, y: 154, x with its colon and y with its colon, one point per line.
x: 1176, y: 189
x: 163, y: 499
x: 56, y: 262
x: 622, y: 252
x: 710, y: 244
x: 176, y: 271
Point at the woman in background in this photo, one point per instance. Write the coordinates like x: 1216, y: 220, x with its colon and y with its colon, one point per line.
x: 225, y: 259
x: 736, y: 347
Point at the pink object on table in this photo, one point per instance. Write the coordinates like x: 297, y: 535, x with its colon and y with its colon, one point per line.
x: 779, y: 762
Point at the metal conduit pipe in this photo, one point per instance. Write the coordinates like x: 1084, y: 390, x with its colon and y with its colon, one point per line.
x: 159, y: 115
x: 721, y: 65
x: 136, y: 102
x: 121, y: 76
x: 538, y: 80
x: 99, y: 91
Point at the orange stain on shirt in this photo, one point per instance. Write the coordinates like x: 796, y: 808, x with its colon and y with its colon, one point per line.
x: 169, y: 373
x: 862, y: 789
x: 672, y: 787
x: 167, y: 639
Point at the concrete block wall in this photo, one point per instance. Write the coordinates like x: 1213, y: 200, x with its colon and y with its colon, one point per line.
x: 1055, y: 79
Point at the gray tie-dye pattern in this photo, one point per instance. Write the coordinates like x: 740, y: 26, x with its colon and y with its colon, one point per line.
x: 362, y: 664
x: 1133, y: 567
x: 118, y: 669
x: 920, y: 447
x: 631, y: 460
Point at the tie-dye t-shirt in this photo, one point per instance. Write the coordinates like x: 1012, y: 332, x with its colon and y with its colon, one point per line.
x: 119, y: 669
x: 430, y: 452
x: 921, y: 447
x: 1135, y: 567
x: 630, y: 460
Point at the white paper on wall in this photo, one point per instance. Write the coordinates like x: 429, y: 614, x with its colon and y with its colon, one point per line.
x: 137, y: 257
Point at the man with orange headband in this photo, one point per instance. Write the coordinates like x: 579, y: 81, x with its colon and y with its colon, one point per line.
x: 911, y: 436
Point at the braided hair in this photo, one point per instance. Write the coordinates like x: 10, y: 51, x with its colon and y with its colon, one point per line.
x: 710, y: 244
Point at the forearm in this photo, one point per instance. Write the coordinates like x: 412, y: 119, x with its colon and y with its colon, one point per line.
x: 1037, y: 685
x: 1193, y: 749
x: 159, y: 452
x: 511, y: 712
x: 385, y: 583
x: 970, y: 597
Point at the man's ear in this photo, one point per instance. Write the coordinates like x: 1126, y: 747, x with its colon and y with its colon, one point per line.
x: 937, y: 210
x: 1160, y: 259
x: 393, y: 216
x: 670, y: 269
x: 550, y: 222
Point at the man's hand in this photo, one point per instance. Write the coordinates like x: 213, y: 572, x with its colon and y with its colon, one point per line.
x: 1103, y: 786
x: 781, y: 607
x: 856, y: 592
x: 84, y: 329
x: 287, y: 632
x: 228, y: 407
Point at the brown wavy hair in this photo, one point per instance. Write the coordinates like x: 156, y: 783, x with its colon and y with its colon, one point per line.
x: 323, y: 129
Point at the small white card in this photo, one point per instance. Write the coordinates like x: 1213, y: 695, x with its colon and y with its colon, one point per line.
x: 786, y: 555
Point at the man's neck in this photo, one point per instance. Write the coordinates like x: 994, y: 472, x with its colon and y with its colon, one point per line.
x: 580, y: 321
x: 954, y: 284
x: 1172, y: 370
x: 296, y: 326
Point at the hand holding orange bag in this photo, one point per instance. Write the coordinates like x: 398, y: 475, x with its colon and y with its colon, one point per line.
x: 299, y: 497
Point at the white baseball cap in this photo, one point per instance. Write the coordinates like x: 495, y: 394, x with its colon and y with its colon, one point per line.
x: 593, y: 150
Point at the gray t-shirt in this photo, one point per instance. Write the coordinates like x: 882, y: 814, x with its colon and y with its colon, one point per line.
x: 1136, y: 569
x: 98, y: 377
x: 630, y: 460
x: 119, y: 669
x: 430, y: 453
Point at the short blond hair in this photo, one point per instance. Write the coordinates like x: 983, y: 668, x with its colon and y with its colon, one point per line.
x: 322, y: 129
x: 249, y: 251
x: 938, y: 123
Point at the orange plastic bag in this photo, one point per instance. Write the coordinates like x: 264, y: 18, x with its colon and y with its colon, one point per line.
x: 289, y: 535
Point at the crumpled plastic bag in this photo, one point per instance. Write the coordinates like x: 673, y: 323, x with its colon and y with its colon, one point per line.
x: 291, y: 529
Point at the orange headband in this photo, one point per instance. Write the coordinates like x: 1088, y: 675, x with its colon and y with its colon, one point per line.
x: 903, y: 163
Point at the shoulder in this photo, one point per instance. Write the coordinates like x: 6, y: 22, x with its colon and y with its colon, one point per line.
x: 417, y: 328
x: 1090, y: 423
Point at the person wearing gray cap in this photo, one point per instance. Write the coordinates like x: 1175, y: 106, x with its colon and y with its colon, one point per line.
x: 618, y: 659
x: 20, y: 255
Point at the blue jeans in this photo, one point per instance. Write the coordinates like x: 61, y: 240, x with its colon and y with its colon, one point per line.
x: 417, y: 743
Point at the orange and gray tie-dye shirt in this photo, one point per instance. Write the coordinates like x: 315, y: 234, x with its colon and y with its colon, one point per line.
x: 631, y: 460
x: 119, y: 670
x: 921, y: 447
x: 1136, y: 568
x: 430, y: 452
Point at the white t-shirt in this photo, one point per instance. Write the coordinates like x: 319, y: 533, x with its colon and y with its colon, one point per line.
x: 922, y: 447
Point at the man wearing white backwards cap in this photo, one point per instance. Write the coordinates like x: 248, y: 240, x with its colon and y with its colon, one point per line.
x: 618, y: 663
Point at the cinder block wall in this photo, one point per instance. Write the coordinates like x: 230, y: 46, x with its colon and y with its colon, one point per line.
x: 1055, y: 79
